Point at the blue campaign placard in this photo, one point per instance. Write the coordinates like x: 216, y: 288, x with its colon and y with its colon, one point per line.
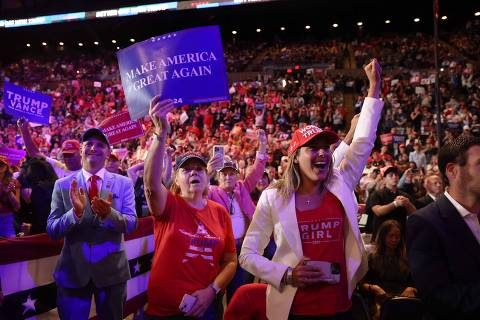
x: 21, y: 102
x: 186, y: 66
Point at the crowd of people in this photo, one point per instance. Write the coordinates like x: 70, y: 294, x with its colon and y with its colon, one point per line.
x: 296, y: 166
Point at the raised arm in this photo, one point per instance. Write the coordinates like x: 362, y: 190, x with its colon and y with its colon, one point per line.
x: 365, y: 133
x: 167, y: 172
x: 342, y: 146
x: 132, y: 172
x: 259, y: 165
x: 30, y: 146
x: 155, y: 191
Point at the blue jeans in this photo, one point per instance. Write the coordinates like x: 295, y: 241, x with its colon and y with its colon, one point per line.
x: 7, y: 227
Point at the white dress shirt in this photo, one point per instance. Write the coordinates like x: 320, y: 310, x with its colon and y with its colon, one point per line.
x: 100, y: 174
x: 470, y: 218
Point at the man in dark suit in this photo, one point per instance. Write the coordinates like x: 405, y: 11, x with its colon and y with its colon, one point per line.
x: 443, y: 239
x: 434, y: 187
x: 91, y: 210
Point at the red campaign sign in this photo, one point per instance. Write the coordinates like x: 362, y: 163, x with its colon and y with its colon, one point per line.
x: 120, y: 128
x: 386, y: 138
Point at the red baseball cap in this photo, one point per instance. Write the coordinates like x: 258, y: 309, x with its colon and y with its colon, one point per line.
x: 70, y: 146
x: 302, y: 136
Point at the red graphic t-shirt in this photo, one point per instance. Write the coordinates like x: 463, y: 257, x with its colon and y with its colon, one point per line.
x: 321, y: 231
x: 189, y: 245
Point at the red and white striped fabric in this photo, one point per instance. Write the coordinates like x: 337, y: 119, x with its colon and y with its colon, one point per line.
x: 26, y: 274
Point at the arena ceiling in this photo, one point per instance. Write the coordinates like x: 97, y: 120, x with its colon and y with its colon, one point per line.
x: 269, y: 17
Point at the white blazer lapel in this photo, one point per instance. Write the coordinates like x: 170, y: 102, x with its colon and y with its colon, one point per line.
x: 288, y: 219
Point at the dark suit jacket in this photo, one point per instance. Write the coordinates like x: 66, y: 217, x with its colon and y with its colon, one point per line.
x: 444, y: 258
x: 423, y: 201
x: 92, y: 249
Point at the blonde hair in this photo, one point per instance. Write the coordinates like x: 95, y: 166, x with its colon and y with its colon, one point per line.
x: 291, y: 179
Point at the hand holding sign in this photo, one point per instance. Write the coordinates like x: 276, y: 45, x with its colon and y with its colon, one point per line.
x: 158, y: 113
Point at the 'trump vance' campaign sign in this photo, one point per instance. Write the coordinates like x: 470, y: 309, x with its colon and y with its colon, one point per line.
x: 20, y: 102
x: 186, y: 66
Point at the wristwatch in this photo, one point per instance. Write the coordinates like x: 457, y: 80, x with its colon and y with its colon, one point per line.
x: 290, y: 276
x: 214, y: 287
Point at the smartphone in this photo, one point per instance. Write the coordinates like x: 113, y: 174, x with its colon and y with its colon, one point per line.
x: 330, y: 269
x: 335, y: 268
x: 187, y: 303
x: 219, y: 150
x: 414, y: 171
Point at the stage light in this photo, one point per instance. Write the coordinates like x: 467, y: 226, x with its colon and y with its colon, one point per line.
x: 359, y: 23
x: 118, y: 48
x: 114, y: 41
x: 132, y: 40
x: 60, y: 43
x: 28, y: 45
x: 307, y: 27
x: 441, y: 69
x: 477, y: 13
x: 416, y: 20
x: 95, y: 43
x: 282, y: 28
x: 44, y: 43
x: 444, y: 18
x: 80, y: 44
x: 335, y: 25
x: 234, y: 32
x: 259, y: 30
x: 387, y: 21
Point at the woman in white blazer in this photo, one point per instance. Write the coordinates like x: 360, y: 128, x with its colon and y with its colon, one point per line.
x: 312, y: 213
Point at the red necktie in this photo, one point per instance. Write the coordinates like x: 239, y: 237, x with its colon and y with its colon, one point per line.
x: 93, y: 190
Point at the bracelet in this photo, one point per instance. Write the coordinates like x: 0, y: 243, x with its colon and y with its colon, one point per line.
x: 395, y: 204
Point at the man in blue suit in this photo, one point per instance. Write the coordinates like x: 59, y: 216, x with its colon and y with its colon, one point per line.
x: 91, y: 210
x: 443, y: 238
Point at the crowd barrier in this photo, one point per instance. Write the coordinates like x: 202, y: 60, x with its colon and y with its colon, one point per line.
x: 26, y: 274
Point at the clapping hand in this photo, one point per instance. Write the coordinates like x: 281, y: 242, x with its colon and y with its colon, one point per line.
x: 102, y: 207
x: 78, y: 198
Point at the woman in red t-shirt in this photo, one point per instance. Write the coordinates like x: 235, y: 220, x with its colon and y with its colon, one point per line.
x: 194, y: 244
